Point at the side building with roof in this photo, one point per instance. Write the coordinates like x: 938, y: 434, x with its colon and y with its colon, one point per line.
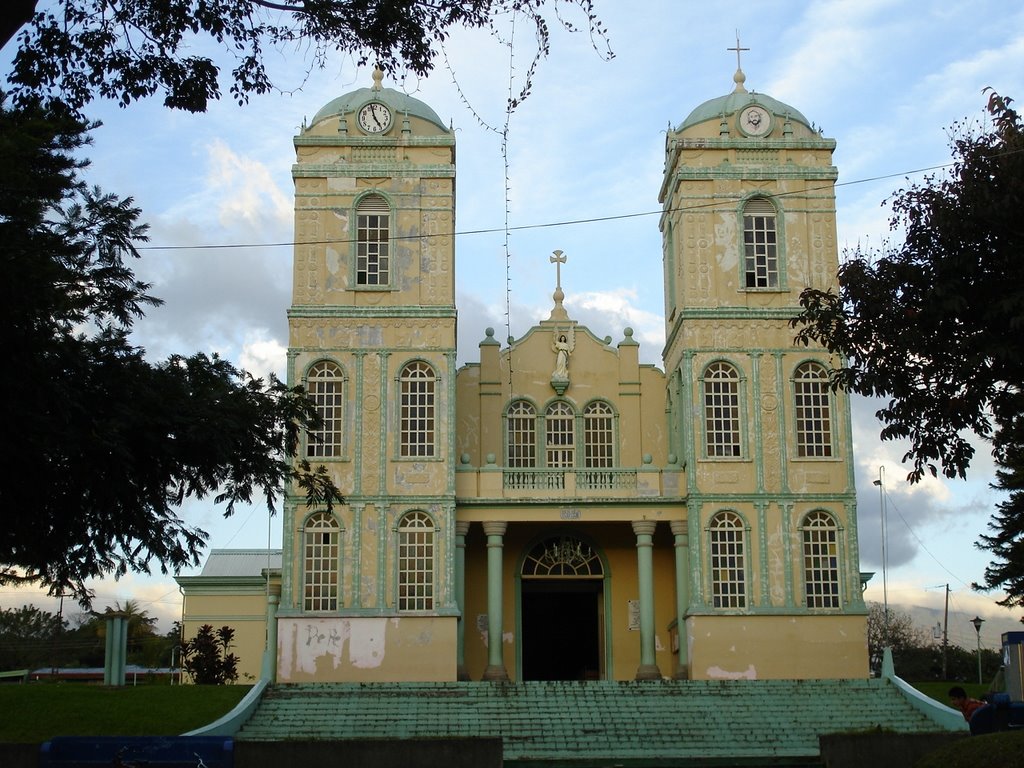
x: 555, y: 509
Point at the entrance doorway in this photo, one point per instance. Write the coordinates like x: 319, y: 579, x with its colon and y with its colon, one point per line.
x: 561, y: 611
x: 561, y: 630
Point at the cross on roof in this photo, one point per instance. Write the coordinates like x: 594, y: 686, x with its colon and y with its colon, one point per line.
x: 737, y: 49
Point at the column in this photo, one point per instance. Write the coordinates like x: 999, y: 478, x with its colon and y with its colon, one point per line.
x: 644, y: 530
x: 495, y: 659
x: 682, y: 549
x: 269, y: 669
x: 116, y: 648
x: 461, y: 529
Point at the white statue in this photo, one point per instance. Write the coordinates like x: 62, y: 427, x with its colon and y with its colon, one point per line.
x: 562, y: 345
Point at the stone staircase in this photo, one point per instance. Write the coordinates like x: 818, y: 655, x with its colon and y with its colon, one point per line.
x: 601, y: 722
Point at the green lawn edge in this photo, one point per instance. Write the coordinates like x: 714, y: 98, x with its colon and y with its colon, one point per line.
x: 36, y: 713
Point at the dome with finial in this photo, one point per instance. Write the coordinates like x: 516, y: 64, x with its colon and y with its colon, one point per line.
x: 400, y: 103
x: 731, y: 103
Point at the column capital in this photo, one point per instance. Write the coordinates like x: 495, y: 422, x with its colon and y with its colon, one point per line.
x: 495, y: 527
x: 644, y: 527
x: 461, y: 527
x: 679, y: 527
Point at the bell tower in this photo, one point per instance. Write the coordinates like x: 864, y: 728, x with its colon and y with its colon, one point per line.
x: 372, y: 339
x: 748, y: 221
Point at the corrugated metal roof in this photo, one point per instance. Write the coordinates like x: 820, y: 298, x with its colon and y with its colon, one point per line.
x: 240, y: 562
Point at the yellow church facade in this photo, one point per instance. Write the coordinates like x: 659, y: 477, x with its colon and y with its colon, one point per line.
x: 556, y: 509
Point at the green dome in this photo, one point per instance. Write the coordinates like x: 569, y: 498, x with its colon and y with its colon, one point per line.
x: 732, y: 103
x: 401, y: 104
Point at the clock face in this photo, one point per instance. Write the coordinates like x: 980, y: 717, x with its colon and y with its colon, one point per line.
x: 374, y: 117
x: 755, y: 120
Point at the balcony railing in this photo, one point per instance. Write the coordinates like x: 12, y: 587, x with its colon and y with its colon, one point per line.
x: 555, y: 479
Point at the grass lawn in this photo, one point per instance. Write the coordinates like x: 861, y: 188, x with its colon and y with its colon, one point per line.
x: 34, y: 713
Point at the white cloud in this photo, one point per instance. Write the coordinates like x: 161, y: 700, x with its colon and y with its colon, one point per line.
x: 262, y: 356
x: 245, y: 188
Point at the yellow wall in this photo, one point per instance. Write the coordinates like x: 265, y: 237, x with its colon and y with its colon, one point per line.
x: 244, y: 613
x: 366, y: 649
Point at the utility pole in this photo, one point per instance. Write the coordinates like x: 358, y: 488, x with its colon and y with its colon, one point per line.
x: 880, y: 482
x: 945, y: 635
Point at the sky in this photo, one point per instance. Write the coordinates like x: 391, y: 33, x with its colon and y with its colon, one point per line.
x: 885, y: 78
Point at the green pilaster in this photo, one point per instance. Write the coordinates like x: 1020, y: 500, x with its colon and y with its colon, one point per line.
x: 780, y: 393
x: 644, y: 530
x: 695, y: 513
x: 357, y: 474
x: 787, y: 551
x: 764, y: 598
x: 688, y: 406
x: 382, y: 458
x: 682, y: 553
x: 757, y: 451
x: 461, y: 529
x: 357, y: 555
x: 269, y: 669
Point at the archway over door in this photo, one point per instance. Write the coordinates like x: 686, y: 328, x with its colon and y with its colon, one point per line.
x: 562, y: 611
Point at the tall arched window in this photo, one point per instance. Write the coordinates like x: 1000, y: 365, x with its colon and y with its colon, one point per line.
x: 324, y: 385
x: 598, y: 436
x: 560, y: 436
x: 373, y: 241
x: 760, y: 250
x: 418, y: 410
x: 728, y: 561
x: 415, y: 562
x: 821, y: 561
x: 321, y: 543
x: 813, y: 410
x: 721, y: 410
x: 522, y: 435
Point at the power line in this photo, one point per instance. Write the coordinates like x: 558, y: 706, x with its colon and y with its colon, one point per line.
x: 711, y: 207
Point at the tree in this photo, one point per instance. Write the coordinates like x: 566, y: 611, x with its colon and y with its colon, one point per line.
x: 896, y: 631
x: 931, y: 324
x: 129, y: 50
x: 108, y: 444
x: 207, y: 659
x: 1006, y: 540
x: 28, y: 637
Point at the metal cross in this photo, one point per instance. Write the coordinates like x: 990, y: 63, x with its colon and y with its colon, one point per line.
x: 737, y: 49
x: 558, y: 259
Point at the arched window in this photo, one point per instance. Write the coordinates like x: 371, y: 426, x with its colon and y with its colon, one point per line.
x: 562, y: 556
x: 373, y: 241
x: 728, y: 561
x: 598, y: 437
x: 321, y: 554
x: 760, y: 250
x: 324, y: 385
x: 418, y: 410
x: 821, y: 561
x: 415, y: 562
x: 813, y: 410
x: 560, y: 437
x: 522, y: 435
x: 722, y: 410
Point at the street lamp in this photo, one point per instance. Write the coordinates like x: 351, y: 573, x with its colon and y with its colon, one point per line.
x: 880, y: 482
x: 977, y: 621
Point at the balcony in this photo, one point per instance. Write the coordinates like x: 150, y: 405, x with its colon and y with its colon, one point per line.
x: 493, y: 482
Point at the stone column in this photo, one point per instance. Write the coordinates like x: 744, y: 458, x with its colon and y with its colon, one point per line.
x: 116, y: 648
x: 495, y: 657
x: 644, y: 530
x: 461, y: 529
x: 682, y: 548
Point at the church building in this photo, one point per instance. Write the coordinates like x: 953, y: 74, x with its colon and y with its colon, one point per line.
x: 556, y: 509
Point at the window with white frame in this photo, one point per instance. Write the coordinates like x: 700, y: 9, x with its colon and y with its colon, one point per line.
x: 721, y: 411
x: 598, y: 436
x: 760, y: 250
x: 321, y: 543
x: 522, y: 435
x: 821, y: 560
x: 813, y: 410
x: 415, y: 562
x: 373, y: 241
x: 417, y: 405
x: 560, y: 436
x: 324, y: 386
x: 728, y: 561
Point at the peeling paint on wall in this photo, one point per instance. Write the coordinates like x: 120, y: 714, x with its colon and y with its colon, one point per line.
x: 717, y: 673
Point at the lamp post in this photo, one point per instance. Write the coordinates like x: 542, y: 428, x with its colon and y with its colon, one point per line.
x: 977, y: 621
x: 880, y: 482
